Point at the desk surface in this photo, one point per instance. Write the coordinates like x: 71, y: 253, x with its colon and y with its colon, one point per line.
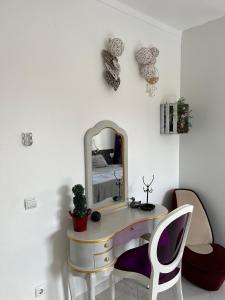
x: 114, y: 222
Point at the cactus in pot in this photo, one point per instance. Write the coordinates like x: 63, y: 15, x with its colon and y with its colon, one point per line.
x: 80, y: 212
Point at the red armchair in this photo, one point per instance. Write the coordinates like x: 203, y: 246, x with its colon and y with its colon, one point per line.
x: 203, y: 260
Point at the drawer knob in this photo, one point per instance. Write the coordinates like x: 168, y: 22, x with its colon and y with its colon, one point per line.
x: 106, y: 245
x: 106, y: 259
x: 131, y: 228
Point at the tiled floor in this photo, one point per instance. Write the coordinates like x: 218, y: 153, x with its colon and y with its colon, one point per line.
x: 130, y: 290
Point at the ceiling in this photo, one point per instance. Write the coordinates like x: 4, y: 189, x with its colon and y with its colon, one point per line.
x: 180, y: 14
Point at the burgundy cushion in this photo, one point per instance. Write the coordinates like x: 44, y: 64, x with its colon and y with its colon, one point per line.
x: 137, y: 260
x: 203, y: 279
x: 214, y: 261
x: 205, y: 270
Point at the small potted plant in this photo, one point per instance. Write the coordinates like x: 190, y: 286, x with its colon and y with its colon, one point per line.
x: 183, y: 116
x: 80, y: 212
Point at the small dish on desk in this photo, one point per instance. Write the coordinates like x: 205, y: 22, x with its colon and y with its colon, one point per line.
x: 147, y: 206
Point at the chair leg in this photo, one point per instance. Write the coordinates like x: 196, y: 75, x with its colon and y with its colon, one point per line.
x: 112, y: 286
x: 152, y: 293
x: 179, y: 290
x: 153, y: 286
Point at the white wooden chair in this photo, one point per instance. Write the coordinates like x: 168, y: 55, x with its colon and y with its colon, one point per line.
x: 157, y: 264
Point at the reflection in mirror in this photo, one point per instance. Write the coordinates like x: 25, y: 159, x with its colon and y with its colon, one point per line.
x: 107, y: 166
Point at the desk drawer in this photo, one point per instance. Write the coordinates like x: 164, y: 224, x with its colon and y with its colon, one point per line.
x: 102, y: 246
x: 104, y: 259
x: 133, y: 232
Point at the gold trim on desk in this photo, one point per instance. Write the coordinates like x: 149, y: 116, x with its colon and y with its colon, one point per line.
x: 81, y: 270
x: 104, y: 252
x: 105, y: 239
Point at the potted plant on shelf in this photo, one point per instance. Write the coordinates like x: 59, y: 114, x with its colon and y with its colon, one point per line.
x: 183, y: 116
x: 80, y: 212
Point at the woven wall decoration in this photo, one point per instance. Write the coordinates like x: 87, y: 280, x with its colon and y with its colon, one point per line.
x: 115, y: 49
x: 146, y: 59
x: 144, y: 56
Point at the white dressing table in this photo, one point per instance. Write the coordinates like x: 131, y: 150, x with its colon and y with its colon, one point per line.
x: 96, y: 249
x: 106, y: 189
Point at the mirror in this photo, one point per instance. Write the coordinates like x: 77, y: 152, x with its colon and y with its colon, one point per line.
x: 105, y: 165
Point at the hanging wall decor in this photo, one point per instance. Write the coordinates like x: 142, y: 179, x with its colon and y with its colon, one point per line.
x: 175, y: 117
x: 146, y: 59
x: 110, y: 56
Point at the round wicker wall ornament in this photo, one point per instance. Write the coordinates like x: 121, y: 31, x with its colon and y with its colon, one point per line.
x: 144, y: 56
x: 111, y: 64
x: 116, y: 47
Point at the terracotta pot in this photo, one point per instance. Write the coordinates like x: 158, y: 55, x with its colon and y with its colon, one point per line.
x: 80, y: 223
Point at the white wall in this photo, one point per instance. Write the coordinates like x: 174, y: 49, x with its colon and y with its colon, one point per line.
x: 202, y: 163
x: 51, y: 84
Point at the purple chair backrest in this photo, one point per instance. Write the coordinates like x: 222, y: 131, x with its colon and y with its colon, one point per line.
x: 167, y: 242
x: 171, y: 239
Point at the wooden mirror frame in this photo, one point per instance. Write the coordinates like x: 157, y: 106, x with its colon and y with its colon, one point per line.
x: 88, y: 162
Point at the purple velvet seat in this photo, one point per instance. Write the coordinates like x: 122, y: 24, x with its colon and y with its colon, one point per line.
x: 137, y: 260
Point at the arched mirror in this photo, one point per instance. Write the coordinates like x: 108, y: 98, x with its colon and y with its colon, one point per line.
x: 105, y: 149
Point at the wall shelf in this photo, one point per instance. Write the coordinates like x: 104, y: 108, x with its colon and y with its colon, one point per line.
x: 174, y: 118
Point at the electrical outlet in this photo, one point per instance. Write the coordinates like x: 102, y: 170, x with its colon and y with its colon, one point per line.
x: 40, y: 290
x: 30, y: 203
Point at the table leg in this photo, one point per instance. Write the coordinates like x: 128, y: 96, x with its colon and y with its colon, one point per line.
x: 71, y: 286
x: 91, y: 286
x: 112, y: 286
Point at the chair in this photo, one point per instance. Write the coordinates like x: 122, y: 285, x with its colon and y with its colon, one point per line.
x: 158, y: 263
x: 203, y: 260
